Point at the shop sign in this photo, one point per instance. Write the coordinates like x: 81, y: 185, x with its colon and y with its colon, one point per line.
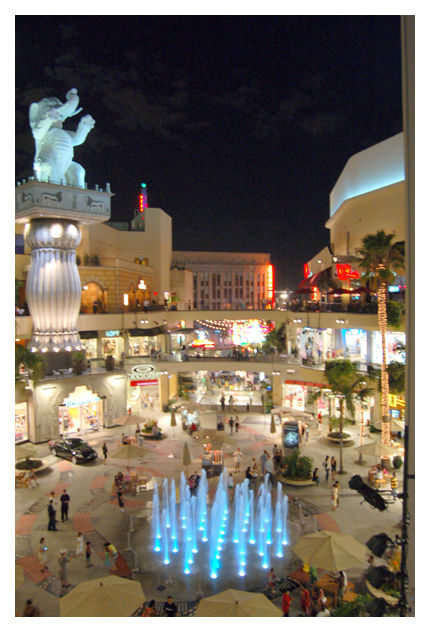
x: 70, y: 403
x: 112, y: 333
x: 143, y: 372
x: 345, y: 272
x: 302, y: 383
x: 396, y: 402
x: 143, y: 382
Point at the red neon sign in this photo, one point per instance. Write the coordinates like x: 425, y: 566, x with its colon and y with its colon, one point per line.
x: 307, y: 273
x: 271, y: 283
x: 345, y: 272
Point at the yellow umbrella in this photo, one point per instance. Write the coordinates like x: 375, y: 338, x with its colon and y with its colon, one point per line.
x: 173, y: 419
x: 330, y: 551
x: 127, y: 452
x: 186, y: 456
x: 272, y: 425
x: 19, y: 576
x: 237, y: 603
x: 110, y: 596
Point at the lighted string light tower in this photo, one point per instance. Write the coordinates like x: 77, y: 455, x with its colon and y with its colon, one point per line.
x: 53, y: 204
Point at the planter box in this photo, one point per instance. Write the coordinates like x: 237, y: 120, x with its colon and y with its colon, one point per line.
x: 293, y: 483
x: 336, y: 440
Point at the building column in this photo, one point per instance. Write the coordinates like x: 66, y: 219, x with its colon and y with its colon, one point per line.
x: 276, y: 388
x: 173, y: 385
x: 163, y: 390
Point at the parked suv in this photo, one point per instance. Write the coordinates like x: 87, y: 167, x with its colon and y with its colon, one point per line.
x: 73, y: 448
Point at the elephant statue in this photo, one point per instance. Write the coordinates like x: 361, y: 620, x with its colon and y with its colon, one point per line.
x: 53, y: 160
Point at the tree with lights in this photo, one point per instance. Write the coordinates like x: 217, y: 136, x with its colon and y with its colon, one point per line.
x: 347, y: 383
x: 380, y: 257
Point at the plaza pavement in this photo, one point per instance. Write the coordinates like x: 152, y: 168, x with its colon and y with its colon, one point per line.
x: 94, y: 510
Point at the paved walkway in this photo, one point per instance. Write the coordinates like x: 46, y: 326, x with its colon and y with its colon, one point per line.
x: 94, y: 510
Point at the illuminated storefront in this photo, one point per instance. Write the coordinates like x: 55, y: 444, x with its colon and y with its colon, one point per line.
x: 141, y: 345
x: 21, y: 422
x: 112, y: 343
x: 142, y: 389
x: 295, y: 394
x: 90, y: 345
x: 395, y: 342
x: 354, y: 344
x: 81, y: 412
x: 316, y: 345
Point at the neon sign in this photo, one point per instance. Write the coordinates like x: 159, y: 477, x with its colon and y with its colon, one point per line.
x: 307, y: 273
x: 345, y: 272
x: 271, y: 283
x: 143, y: 198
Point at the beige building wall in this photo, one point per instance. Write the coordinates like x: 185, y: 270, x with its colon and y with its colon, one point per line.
x: 181, y: 288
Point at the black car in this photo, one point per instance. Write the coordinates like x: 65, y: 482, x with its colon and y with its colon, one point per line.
x: 74, y: 449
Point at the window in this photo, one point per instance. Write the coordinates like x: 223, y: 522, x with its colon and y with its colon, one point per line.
x: 19, y: 244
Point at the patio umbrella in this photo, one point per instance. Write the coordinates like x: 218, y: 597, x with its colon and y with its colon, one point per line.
x: 129, y: 420
x: 330, y: 551
x: 188, y: 405
x: 173, y: 419
x: 127, y: 452
x: 376, y: 448
x: 395, y: 424
x: 110, y: 596
x: 19, y: 576
x: 237, y: 603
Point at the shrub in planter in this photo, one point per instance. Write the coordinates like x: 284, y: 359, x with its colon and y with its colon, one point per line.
x: 297, y: 467
x: 397, y: 462
x: 337, y: 435
x: 28, y: 464
x: 358, y: 608
x: 78, y: 362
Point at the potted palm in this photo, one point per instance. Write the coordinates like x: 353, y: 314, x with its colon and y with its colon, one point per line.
x: 78, y: 362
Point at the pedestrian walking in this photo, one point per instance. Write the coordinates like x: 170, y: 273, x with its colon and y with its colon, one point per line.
x: 79, y: 544
x: 231, y: 403
x: 307, y: 432
x: 169, y: 608
x: 271, y: 577
x: 42, y: 554
x: 334, y: 497
x: 268, y: 466
x: 222, y: 400
x: 343, y: 583
x: 263, y: 460
x: 320, y: 423
x: 112, y: 554
x: 305, y: 600
x: 394, y: 486
x: 315, y: 476
x: 230, y: 484
x: 286, y: 603
x: 333, y: 467
x: 119, y: 493
x: 231, y: 424
x: 105, y: 452
x: 31, y: 610
x: 337, y: 484
x: 52, y: 522
x: 236, y: 423
x: 326, y: 466
x: 63, y: 560
x: 64, y: 499
x: 88, y: 552
x: 237, y: 459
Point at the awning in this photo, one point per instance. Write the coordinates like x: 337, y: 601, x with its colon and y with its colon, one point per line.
x: 148, y: 331
x: 310, y: 282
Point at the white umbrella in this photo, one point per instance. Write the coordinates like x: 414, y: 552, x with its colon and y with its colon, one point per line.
x: 330, y: 551
x: 237, y: 603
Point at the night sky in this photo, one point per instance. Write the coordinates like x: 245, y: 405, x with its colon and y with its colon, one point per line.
x: 239, y: 125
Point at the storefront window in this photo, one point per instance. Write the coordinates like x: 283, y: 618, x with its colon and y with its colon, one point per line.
x: 21, y: 422
x: 395, y: 341
x: 141, y: 345
x: 293, y: 396
x: 354, y: 343
x: 90, y: 347
x: 81, y: 412
x: 113, y: 346
x: 316, y: 345
x: 144, y: 397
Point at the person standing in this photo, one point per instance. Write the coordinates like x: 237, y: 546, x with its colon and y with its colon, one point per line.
x: 231, y: 403
x: 88, y: 551
x: 112, y: 553
x: 337, y: 484
x: 320, y: 422
x: 149, y: 610
x: 306, y: 432
x: 52, y: 522
x: 326, y: 466
x: 305, y: 600
x: 333, y: 467
x: 119, y: 493
x: 230, y: 484
x: 268, y: 465
x: 64, y: 499
x: 42, y: 554
x: 334, y: 497
x: 343, y: 583
x: 263, y: 460
x: 315, y: 476
x: 286, y: 603
x: 394, y: 486
x: 31, y: 610
x: 79, y: 544
x: 105, y: 452
x: 237, y: 459
x: 231, y: 424
x: 170, y: 609
x: 236, y: 423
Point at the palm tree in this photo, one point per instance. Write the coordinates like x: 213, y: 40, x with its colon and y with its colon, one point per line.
x: 379, y: 257
x: 345, y: 382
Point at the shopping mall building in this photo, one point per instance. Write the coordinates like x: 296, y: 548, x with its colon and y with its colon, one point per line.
x: 192, y: 323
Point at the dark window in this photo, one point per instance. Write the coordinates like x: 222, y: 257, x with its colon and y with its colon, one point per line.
x: 19, y: 244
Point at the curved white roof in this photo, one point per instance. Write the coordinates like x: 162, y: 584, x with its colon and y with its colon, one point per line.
x: 373, y: 168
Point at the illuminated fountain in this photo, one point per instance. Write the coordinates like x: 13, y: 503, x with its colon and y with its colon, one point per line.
x: 255, y: 526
